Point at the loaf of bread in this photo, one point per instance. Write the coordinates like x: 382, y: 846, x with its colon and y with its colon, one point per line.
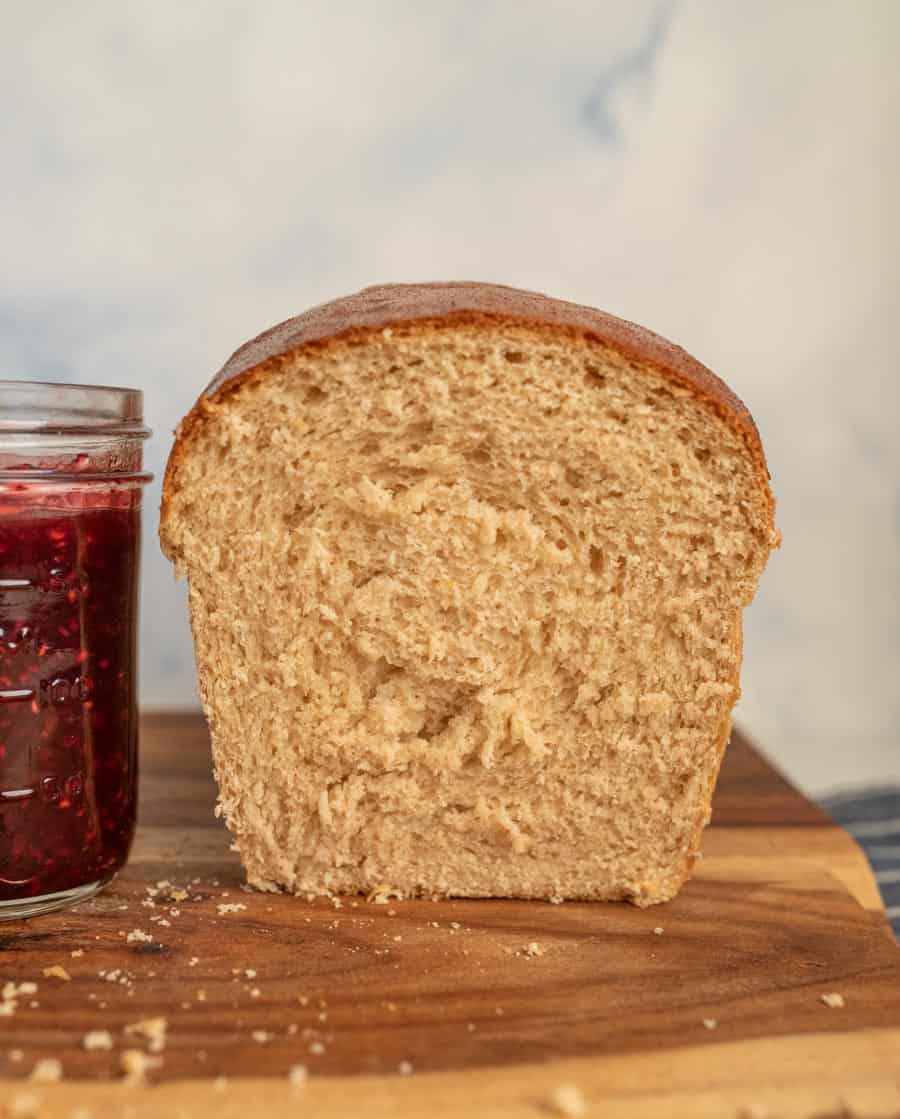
x: 467, y: 567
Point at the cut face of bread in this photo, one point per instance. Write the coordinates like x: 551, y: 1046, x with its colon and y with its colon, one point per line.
x: 467, y: 569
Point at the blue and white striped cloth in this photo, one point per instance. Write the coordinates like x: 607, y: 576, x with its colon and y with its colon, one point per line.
x: 873, y: 819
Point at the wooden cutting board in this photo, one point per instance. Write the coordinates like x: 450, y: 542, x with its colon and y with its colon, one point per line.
x: 708, y: 1006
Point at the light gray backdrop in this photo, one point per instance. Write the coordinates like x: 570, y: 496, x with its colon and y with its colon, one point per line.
x: 176, y: 177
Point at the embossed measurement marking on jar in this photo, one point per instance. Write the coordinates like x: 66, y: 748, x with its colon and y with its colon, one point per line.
x: 51, y: 693
x: 51, y: 788
x: 61, y: 690
x: 15, y: 695
x: 16, y: 794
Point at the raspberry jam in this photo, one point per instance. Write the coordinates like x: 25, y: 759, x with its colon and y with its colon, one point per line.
x: 70, y: 495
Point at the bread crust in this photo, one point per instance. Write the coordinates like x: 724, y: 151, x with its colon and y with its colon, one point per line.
x: 374, y: 309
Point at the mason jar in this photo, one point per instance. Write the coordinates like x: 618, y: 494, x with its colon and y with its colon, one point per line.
x: 71, y: 483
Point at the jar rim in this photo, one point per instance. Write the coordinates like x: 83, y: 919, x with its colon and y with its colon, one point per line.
x: 47, y: 407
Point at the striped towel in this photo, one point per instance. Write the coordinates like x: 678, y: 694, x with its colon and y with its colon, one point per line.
x: 873, y: 819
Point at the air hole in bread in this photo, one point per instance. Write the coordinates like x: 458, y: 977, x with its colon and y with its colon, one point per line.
x: 593, y: 375
x: 479, y: 454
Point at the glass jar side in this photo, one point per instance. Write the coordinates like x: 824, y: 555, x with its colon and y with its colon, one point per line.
x: 70, y: 501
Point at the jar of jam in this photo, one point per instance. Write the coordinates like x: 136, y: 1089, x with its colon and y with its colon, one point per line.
x: 71, y: 483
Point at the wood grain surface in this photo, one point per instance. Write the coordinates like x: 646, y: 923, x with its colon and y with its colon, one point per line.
x: 463, y: 1007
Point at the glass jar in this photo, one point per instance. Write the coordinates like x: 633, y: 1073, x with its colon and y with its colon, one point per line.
x: 71, y: 483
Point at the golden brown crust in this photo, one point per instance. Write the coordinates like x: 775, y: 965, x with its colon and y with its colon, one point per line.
x: 397, y: 305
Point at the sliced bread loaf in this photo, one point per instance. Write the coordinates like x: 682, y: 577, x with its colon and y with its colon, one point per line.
x: 467, y: 567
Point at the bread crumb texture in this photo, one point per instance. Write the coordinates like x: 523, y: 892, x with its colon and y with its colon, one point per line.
x: 466, y: 602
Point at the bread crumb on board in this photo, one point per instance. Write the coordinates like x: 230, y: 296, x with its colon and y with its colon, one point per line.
x: 568, y: 1101
x: 57, y: 971
x: 10, y: 995
x: 153, y: 1030
x: 76, y: 952
x: 138, y: 936
x: 261, y: 1036
x: 659, y: 930
x: 226, y: 907
x: 47, y: 1071
x: 135, y: 1064
x: 832, y: 1000
x: 533, y: 949
x: 711, y: 1023
x: 11, y: 992
x: 379, y: 895
x: 97, y: 1039
x: 297, y: 1075
x: 405, y: 1068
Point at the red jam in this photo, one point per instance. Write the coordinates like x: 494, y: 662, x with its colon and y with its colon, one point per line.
x: 68, y: 726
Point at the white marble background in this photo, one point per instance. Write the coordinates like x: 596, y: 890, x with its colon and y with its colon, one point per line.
x: 176, y: 177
